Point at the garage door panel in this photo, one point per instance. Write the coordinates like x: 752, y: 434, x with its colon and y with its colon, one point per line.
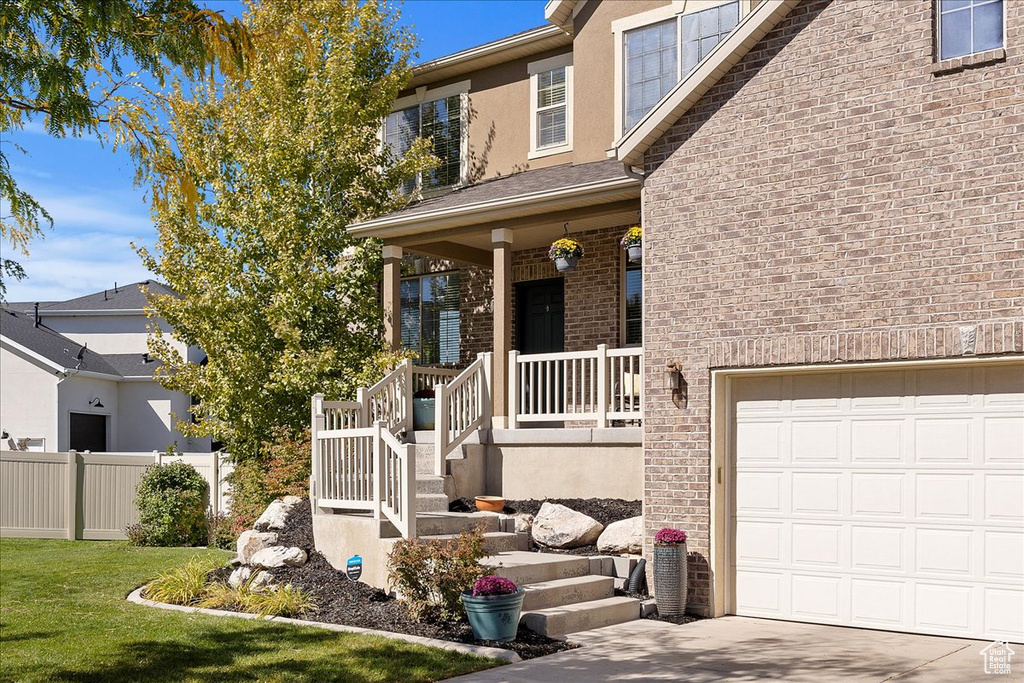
x: 817, y: 493
x: 876, y: 548
x: 878, y: 494
x: 875, y: 441
x: 944, y: 496
x: 883, y: 499
x: 1004, y: 613
x: 1004, y: 498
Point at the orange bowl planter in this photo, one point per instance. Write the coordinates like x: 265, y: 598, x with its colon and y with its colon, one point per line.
x: 490, y: 503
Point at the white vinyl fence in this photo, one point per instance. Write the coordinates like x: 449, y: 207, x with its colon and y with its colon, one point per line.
x: 87, y: 496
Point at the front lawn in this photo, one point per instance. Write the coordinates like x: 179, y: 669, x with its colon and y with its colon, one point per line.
x: 63, y: 617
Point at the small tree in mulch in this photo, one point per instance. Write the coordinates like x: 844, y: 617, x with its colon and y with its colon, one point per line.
x: 430, y: 575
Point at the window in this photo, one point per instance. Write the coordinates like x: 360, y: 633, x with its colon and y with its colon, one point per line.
x: 633, y: 303
x: 657, y: 56
x: 550, y: 106
x: 430, y: 317
x: 441, y: 121
x: 969, y: 26
x: 700, y: 32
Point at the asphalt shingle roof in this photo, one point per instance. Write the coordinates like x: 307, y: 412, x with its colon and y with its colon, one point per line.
x: 523, y: 183
x: 52, y: 345
x: 125, y: 297
x: 132, y: 364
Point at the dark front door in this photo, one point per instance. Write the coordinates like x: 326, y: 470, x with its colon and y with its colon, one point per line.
x: 88, y: 432
x: 540, y: 316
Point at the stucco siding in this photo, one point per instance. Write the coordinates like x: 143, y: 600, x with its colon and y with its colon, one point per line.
x: 831, y: 199
x: 28, y: 399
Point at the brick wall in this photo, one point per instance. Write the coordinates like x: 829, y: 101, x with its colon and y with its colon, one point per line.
x: 836, y: 197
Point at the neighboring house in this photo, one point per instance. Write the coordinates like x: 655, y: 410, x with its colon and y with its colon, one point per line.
x: 829, y: 313
x: 77, y: 375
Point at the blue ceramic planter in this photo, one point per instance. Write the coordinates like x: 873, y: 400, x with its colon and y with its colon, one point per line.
x: 423, y: 413
x: 494, y: 617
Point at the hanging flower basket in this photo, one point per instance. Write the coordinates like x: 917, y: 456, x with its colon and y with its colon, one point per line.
x: 493, y: 608
x: 566, y: 253
x: 633, y: 243
x: 670, y: 572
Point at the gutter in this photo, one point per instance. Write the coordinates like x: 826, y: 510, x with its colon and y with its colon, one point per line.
x: 488, y: 49
x: 425, y: 221
x: 92, y: 311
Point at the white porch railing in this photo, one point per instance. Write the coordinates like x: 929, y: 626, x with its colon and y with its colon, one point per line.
x: 600, y: 386
x: 461, y: 407
x: 363, y: 468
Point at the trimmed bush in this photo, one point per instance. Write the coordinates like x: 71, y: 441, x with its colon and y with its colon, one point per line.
x: 431, y: 575
x: 171, y: 500
x: 283, y: 471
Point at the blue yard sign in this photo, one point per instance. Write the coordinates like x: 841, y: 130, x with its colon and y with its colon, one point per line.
x: 354, y: 567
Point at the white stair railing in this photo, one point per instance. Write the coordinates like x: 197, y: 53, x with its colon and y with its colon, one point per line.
x: 599, y: 386
x: 461, y: 407
x: 396, y: 480
x: 389, y: 400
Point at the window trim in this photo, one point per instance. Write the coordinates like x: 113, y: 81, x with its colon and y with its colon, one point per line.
x: 419, y: 277
x: 938, y: 58
x: 621, y: 26
x: 423, y: 94
x: 534, y: 69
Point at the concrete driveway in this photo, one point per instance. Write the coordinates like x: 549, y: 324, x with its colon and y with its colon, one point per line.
x: 744, y: 649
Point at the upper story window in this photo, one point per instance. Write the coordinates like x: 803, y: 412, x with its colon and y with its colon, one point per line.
x: 658, y: 55
x: 438, y: 117
x: 550, y: 106
x: 969, y: 26
x: 430, y: 317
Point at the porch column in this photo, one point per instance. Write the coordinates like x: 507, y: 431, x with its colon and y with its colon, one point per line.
x: 392, y: 297
x: 501, y: 241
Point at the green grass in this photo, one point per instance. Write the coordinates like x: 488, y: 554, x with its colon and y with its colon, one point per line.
x: 63, y: 617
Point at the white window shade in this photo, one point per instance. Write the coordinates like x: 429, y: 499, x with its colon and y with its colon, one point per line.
x: 550, y: 106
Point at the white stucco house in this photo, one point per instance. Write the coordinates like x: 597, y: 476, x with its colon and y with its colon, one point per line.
x: 77, y: 375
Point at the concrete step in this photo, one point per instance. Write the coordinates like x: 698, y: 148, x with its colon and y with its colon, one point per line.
x: 526, y: 567
x: 431, y: 502
x: 581, y: 616
x: 567, y: 591
x: 429, y: 484
x: 434, y: 523
x: 494, y: 541
x: 424, y: 453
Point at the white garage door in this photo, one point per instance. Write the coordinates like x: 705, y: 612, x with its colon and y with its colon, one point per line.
x: 883, y: 499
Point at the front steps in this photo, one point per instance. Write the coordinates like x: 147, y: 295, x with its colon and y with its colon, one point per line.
x: 562, y: 596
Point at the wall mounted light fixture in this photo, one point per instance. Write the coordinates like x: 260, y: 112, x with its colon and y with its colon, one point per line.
x: 95, y: 402
x: 674, y: 382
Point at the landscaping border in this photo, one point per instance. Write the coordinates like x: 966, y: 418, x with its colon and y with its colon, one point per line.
x: 508, y: 656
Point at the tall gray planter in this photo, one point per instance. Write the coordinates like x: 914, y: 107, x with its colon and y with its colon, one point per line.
x: 670, y: 579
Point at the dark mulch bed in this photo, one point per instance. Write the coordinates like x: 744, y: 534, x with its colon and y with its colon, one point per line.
x: 341, y: 601
x: 604, y: 510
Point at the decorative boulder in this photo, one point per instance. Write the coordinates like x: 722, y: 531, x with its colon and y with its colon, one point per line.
x: 524, y: 521
x: 279, y: 556
x: 624, y: 536
x: 276, y: 514
x: 557, y: 526
x: 251, y: 542
x: 242, y: 575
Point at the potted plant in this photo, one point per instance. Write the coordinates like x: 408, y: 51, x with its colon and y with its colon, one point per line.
x: 670, y: 571
x: 566, y: 253
x: 633, y: 243
x: 493, y: 608
x: 423, y: 409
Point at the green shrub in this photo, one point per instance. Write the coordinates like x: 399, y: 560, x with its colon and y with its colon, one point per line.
x: 219, y: 532
x: 278, y: 601
x: 282, y: 470
x: 430, y: 575
x: 185, y: 585
x: 172, y: 506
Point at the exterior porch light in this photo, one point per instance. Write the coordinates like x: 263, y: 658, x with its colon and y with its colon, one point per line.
x: 674, y: 382
x: 95, y: 402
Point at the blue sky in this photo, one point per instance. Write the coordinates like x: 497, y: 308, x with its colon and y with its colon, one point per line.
x: 98, y: 211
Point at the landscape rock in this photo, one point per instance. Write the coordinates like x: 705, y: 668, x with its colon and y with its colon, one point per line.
x: 625, y: 536
x: 243, y: 574
x: 557, y: 526
x: 251, y: 542
x: 279, y: 556
x: 524, y: 521
x: 276, y: 514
